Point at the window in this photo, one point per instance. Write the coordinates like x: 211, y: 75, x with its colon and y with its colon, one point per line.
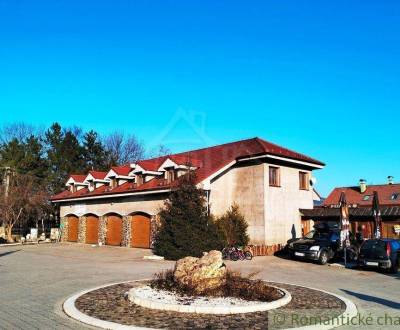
x: 274, y: 176
x: 395, y: 196
x: 303, y: 179
x: 366, y: 198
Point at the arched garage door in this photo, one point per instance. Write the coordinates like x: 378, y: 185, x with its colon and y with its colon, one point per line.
x: 114, y: 230
x: 140, y: 231
x: 73, y: 227
x: 92, y: 229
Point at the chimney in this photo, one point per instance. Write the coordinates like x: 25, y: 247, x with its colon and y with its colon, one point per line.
x: 390, y: 179
x: 363, y: 185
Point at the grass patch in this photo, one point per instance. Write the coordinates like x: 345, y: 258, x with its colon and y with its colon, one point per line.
x: 236, y: 285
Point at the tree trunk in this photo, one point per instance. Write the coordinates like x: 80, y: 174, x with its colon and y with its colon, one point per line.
x: 9, y: 233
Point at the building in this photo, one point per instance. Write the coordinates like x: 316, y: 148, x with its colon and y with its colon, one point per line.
x: 268, y: 182
x: 360, y: 199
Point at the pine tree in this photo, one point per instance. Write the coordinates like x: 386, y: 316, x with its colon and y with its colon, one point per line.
x: 65, y: 156
x: 186, y: 229
x: 94, y: 153
x: 233, y: 226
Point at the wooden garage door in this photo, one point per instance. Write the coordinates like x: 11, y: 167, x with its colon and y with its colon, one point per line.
x: 114, y: 230
x: 140, y: 231
x: 73, y: 226
x: 92, y: 229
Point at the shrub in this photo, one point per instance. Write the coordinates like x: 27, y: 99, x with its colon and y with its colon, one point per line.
x: 236, y: 285
x: 233, y: 227
x: 186, y: 228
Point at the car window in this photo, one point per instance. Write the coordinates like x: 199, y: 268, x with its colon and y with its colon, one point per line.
x: 374, y: 244
x: 310, y: 234
x: 321, y: 235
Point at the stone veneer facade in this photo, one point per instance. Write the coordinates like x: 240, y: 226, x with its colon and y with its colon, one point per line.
x: 82, y: 230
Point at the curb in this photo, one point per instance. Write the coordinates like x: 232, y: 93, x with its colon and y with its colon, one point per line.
x: 223, y: 310
x: 70, y: 309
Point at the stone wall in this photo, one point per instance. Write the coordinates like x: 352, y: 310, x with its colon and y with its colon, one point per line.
x: 126, y: 231
x: 82, y: 230
x: 102, y: 230
x: 154, y: 227
x: 64, y: 229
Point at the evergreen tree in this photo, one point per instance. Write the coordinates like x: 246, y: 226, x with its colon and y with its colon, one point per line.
x: 94, y: 153
x: 25, y: 157
x: 65, y: 156
x: 186, y: 228
x: 233, y: 227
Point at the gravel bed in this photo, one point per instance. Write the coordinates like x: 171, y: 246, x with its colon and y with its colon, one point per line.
x: 109, y: 304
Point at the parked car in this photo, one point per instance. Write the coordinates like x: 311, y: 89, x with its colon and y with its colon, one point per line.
x: 321, y: 244
x: 380, y: 253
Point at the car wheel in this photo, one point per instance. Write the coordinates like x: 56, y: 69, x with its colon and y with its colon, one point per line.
x: 248, y: 255
x: 323, y: 258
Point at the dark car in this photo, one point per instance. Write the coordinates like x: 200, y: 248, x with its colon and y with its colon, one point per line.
x: 321, y: 244
x: 380, y: 253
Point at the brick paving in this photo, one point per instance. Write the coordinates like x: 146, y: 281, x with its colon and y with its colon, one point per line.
x: 109, y: 304
x: 35, y: 280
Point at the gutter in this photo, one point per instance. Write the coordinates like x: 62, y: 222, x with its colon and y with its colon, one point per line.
x: 289, y: 160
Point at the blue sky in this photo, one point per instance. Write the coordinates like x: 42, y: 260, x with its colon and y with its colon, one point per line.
x: 319, y: 77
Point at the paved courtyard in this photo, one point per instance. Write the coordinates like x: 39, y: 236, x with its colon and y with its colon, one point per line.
x: 35, y: 280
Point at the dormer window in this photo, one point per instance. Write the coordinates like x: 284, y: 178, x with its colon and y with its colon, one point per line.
x: 139, y: 179
x: 366, y: 198
x: 395, y: 196
x: 170, y: 175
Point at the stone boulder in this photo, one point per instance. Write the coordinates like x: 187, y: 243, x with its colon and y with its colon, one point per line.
x: 201, y: 274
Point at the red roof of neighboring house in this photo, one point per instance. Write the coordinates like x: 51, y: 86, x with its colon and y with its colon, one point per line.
x: 207, y: 160
x: 354, y: 196
x: 78, y: 177
x: 98, y: 175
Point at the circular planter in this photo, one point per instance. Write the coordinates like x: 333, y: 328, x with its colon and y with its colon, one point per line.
x: 167, y: 301
x: 107, y: 307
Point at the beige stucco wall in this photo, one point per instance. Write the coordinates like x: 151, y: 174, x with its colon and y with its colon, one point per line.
x: 282, y: 204
x: 271, y: 212
x: 123, y: 206
x: 245, y: 187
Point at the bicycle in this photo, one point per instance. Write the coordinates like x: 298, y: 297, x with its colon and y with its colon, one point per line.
x: 235, y: 254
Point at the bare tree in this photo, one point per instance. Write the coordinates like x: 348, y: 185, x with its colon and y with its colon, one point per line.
x: 158, y: 151
x: 19, y: 130
x: 122, y: 148
x: 24, y: 198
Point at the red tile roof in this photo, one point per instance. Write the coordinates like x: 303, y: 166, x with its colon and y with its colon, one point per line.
x: 354, y: 196
x: 98, y: 175
x: 207, y: 160
x: 78, y: 177
x: 122, y: 170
